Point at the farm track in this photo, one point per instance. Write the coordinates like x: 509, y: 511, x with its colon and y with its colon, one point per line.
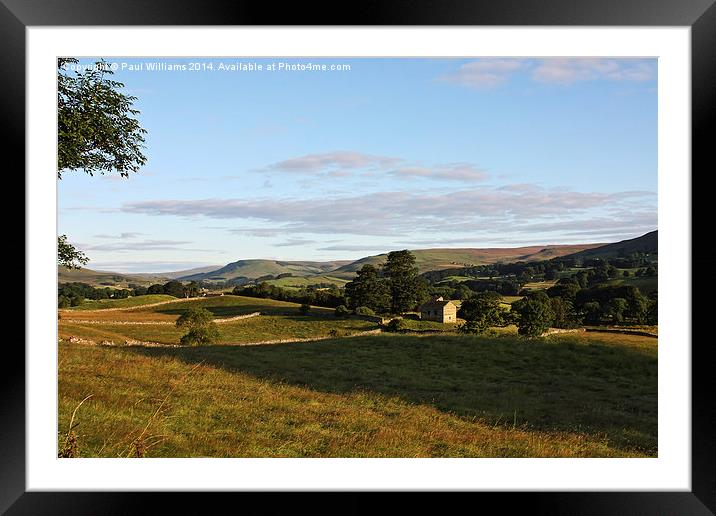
x: 222, y: 320
x: 130, y: 343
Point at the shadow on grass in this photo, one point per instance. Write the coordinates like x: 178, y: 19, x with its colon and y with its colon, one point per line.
x: 554, y: 385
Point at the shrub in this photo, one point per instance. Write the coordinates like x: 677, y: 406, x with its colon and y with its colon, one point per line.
x: 481, y: 312
x: 341, y: 311
x: 201, y: 335
x: 63, y: 302
x: 200, y: 325
x: 535, y: 316
x: 364, y: 310
x: 304, y: 308
x: 395, y: 325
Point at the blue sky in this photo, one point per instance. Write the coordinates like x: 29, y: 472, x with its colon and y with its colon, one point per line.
x: 388, y: 154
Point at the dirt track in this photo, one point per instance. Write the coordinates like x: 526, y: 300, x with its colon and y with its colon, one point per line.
x: 158, y: 323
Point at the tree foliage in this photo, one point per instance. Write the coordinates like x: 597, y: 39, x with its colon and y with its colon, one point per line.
x: 97, y: 126
x: 341, y: 311
x: 368, y: 289
x: 200, y: 325
x: 481, y: 312
x: 534, y: 315
x: 68, y: 256
x: 407, y: 288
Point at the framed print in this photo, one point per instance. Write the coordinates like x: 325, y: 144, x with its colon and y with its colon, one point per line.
x: 419, y: 253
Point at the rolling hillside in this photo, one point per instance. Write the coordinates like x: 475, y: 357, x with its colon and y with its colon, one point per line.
x: 181, y: 274
x: 437, y: 259
x: 343, y: 270
x: 106, y: 278
x: 648, y: 243
x: 253, y: 269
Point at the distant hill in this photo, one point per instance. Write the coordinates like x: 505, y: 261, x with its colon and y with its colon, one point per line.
x: 253, y: 269
x: 180, y: 274
x: 648, y: 243
x: 443, y: 258
x: 338, y: 271
x: 105, y: 278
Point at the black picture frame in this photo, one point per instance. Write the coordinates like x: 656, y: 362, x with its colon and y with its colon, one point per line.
x: 700, y: 15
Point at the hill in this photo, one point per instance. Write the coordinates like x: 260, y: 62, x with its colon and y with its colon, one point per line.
x: 442, y: 258
x: 179, y: 274
x: 648, y: 243
x: 106, y: 278
x: 253, y: 269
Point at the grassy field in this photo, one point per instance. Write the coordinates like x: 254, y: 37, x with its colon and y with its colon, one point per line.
x: 386, y: 395
x: 297, y: 282
x: 373, y: 396
x: 539, y: 285
x: 104, y: 304
x: 645, y: 284
x: 279, y: 320
x: 450, y: 258
x: 256, y: 329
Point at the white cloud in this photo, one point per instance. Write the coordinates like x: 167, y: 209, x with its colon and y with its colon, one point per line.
x: 568, y: 71
x: 490, y: 72
x: 397, y: 213
x: 342, y: 164
x: 342, y: 160
x: 485, y: 73
x: 143, y: 245
x: 292, y: 242
x: 121, y: 236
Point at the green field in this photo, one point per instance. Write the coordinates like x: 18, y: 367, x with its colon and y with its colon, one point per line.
x: 375, y: 396
x: 386, y: 395
x: 103, y: 304
x: 279, y: 320
x: 297, y: 282
x: 645, y: 284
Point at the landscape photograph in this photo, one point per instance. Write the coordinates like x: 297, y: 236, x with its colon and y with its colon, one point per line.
x: 357, y: 257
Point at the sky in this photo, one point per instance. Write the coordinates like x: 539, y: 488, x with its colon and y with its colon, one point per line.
x: 276, y: 159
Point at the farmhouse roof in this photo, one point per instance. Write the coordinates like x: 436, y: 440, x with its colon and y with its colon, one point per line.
x: 438, y: 302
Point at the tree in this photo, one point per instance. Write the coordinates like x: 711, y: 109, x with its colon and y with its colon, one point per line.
x: 615, y: 309
x: 200, y: 325
x: 368, y: 289
x: 364, y: 310
x: 173, y: 288
x: 407, y: 289
x: 637, y: 305
x: 535, y: 315
x: 96, y: 131
x: 341, y: 311
x: 192, y: 289
x: 592, y: 312
x: 481, y: 312
x: 562, y: 313
x: 395, y: 325
x: 97, y: 126
x: 652, y: 315
x: 68, y: 256
x: 155, y: 289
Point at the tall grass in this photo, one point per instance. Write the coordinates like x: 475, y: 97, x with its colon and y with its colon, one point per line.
x: 378, y: 396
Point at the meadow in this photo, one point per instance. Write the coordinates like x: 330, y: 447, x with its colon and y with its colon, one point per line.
x: 382, y: 395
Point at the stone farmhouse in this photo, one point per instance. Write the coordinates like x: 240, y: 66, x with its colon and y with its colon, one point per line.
x: 437, y: 309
